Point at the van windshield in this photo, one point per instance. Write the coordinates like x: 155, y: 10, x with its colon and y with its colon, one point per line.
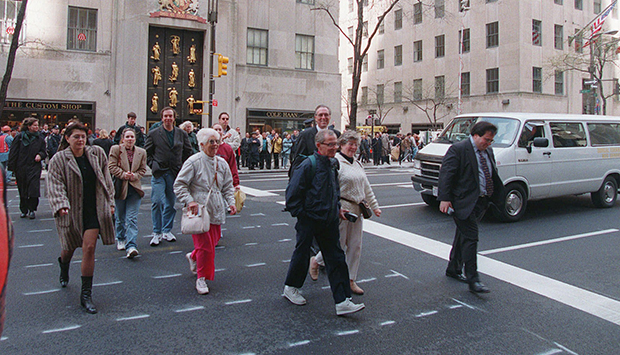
x: 458, y: 130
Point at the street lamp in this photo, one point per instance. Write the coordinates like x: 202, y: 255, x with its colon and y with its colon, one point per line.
x: 593, y: 40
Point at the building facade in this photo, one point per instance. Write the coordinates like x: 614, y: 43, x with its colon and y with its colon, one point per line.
x: 512, y: 57
x: 97, y: 60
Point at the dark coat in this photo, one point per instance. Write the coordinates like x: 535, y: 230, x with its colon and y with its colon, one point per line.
x: 162, y: 158
x: 140, y: 141
x: 459, y: 179
x: 52, y: 142
x: 22, y: 163
x: 104, y: 143
x: 314, y: 196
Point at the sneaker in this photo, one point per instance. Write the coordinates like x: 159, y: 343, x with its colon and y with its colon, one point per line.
x: 293, y: 295
x: 348, y: 307
x: 132, y: 252
x: 156, y: 239
x: 120, y: 244
x: 201, y: 286
x: 168, y: 236
x: 192, y: 263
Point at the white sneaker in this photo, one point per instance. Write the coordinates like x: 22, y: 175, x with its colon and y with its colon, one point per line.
x: 120, y: 244
x: 293, y: 295
x: 132, y: 252
x: 201, y: 286
x: 348, y: 307
x: 192, y: 263
x: 168, y: 236
x: 156, y: 239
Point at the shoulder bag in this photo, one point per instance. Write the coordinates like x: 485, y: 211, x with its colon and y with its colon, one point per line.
x: 201, y: 222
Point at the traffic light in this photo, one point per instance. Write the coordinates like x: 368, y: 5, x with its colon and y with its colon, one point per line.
x: 222, y: 65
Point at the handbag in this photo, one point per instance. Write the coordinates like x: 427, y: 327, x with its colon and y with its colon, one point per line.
x: 365, y: 207
x: 195, y: 223
x: 118, y: 188
x: 239, y: 200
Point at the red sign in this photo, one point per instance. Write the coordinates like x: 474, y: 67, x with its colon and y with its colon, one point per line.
x: 10, y: 30
x: 215, y: 102
x: 81, y: 37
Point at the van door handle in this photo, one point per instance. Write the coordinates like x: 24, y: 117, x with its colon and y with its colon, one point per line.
x: 547, y: 153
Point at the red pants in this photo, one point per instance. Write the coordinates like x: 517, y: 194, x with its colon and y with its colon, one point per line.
x: 204, y: 251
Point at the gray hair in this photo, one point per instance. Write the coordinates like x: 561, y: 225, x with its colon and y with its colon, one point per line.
x: 322, y: 134
x: 204, y: 134
x: 347, y: 136
x: 320, y: 106
x: 185, y: 124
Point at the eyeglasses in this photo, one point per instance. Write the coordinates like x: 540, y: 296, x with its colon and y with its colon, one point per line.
x: 331, y: 145
x: 213, y: 141
x: 490, y: 141
x: 225, y: 118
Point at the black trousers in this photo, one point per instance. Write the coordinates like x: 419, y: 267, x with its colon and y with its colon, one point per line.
x: 265, y: 159
x: 327, y: 236
x: 28, y: 187
x: 465, y: 245
x: 276, y: 160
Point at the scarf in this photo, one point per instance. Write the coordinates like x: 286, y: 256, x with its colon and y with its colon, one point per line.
x: 28, y: 137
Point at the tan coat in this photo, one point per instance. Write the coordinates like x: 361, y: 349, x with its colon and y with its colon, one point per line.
x: 64, y: 186
x: 119, y: 164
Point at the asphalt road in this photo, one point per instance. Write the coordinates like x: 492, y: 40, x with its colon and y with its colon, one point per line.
x: 553, y: 281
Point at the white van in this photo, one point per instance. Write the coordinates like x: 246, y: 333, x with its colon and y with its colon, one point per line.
x: 538, y: 156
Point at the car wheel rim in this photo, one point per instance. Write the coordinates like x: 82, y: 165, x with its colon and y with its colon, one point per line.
x: 514, y: 203
x: 609, y: 193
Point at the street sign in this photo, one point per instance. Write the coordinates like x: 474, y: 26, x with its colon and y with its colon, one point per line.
x: 214, y: 102
x: 584, y: 91
x: 589, y: 82
x: 10, y: 30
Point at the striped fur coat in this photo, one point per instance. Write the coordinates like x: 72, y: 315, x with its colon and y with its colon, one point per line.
x: 64, y: 186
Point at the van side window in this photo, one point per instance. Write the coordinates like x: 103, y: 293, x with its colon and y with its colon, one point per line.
x: 530, y: 131
x: 604, y: 133
x: 568, y: 134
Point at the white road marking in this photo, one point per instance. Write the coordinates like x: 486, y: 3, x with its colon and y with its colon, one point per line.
x: 551, y: 352
x: 31, y: 246
x: 396, y: 274
x: 366, y: 280
x: 584, y: 300
x: 565, y: 348
x: 250, y: 244
x: 463, y: 304
x: 233, y: 216
x: 299, y: 343
x: 40, y: 230
x: 279, y: 224
x: 3, y: 338
x: 72, y: 327
x: 255, y: 265
x: 283, y: 203
x: 284, y: 240
x: 108, y: 283
x: 403, y: 205
x: 387, y: 322
x: 40, y: 292
x: 550, y: 241
x: 347, y: 332
x: 248, y: 227
x: 197, y: 308
x: 274, y: 178
x: 425, y: 314
x: 37, y: 265
x: 166, y: 276
x: 238, y: 302
x: 47, y: 219
x: 219, y: 270
x: 176, y: 252
x: 257, y: 214
x: 257, y: 193
x: 142, y: 316
x: 286, y: 261
x: 455, y: 306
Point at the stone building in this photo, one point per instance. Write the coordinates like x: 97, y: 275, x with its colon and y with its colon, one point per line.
x: 96, y: 60
x: 509, y: 59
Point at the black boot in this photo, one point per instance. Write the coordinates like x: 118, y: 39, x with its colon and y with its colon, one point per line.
x: 86, y: 295
x: 64, y: 272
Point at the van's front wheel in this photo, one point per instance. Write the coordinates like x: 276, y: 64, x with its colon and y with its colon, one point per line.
x: 606, y: 196
x: 514, y: 203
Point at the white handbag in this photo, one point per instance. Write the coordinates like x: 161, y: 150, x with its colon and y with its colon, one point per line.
x: 195, y: 223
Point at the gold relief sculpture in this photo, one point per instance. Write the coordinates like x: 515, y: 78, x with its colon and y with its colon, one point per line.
x: 155, y: 103
x: 173, y: 97
x: 190, y: 104
x: 192, y: 79
x: 174, y: 75
x: 191, y: 58
x: 156, y: 75
x: 176, y: 47
x: 156, y: 51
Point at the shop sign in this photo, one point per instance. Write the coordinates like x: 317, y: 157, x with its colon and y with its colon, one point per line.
x: 56, y: 106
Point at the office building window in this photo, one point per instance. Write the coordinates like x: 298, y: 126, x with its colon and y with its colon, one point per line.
x: 491, y: 1
x: 304, y: 52
x: 579, y: 4
x: 559, y: 82
x: 350, y: 65
x: 82, y: 29
x: 464, y: 37
x: 537, y: 32
x: 380, y: 93
x: 558, y: 2
x: 558, y: 39
x: 440, y: 8
x: 380, y: 59
x: 398, y: 92
x: 365, y: 63
x: 398, y: 55
x: 364, y: 95
x: 440, y: 87
x: 257, y: 46
x: 365, y: 29
x: 417, y: 51
x: 417, y: 89
x: 349, y: 94
x: 381, y: 27
x: 492, y: 81
x: 417, y: 13
x: 492, y: 34
x: 8, y: 20
x: 351, y: 5
x: 597, y: 6
x: 465, y: 84
x: 398, y: 19
x: 440, y: 46
x: 537, y: 80
x: 309, y: 2
x: 350, y: 31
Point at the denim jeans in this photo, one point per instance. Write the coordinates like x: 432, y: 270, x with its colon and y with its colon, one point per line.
x: 162, y: 203
x: 127, y: 218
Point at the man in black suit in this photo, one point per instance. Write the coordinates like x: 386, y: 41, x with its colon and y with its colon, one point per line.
x: 468, y: 180
x: 305, y: 144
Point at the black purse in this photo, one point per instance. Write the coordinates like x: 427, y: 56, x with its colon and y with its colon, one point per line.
x: 366, y: 211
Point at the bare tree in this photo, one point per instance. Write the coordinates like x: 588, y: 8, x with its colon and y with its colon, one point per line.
x: 361, y: 40
x: 435, y: 102
x: 12, y: 52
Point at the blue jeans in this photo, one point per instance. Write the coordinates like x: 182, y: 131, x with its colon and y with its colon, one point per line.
x: 127, y: 218
x: 162, y: 203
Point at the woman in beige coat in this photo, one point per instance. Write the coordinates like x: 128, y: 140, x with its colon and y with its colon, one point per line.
x: 128, y: 164
x: 81, y: 197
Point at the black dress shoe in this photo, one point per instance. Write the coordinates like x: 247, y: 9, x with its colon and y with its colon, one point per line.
x: 478, y: 287
x: 31, y: 215
x: 458, y: 277
x: 23, y: 215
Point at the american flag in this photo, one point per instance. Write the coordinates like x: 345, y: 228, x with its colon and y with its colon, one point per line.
x: 598, y: 23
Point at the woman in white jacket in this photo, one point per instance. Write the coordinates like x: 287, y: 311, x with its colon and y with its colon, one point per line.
x: 203, y: 173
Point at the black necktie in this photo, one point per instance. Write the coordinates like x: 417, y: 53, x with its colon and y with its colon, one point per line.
x: 487, y: 174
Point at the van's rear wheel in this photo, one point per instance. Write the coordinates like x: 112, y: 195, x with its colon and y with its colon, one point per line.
x: 514, y: 203
x: 606, y: 196
x: 430, y: 200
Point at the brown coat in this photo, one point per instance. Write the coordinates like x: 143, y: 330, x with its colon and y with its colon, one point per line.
x: 64, y: 186
x: 119, y: 164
